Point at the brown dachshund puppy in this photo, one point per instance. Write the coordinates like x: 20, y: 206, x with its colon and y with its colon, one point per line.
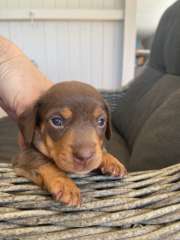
x: 64, y: 133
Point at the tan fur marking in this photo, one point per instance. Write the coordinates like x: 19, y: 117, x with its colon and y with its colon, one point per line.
x: 39, y: 143
x: 57, y: 183
x: 49, y: 142
x: 112, y: 166
x: 66, y: 113
x: 50, y: 147
x: 97, y: 112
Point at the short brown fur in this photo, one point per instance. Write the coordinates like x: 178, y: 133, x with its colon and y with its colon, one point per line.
x: 74, y: 145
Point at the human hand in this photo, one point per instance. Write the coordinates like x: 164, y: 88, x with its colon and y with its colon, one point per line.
x: 21, y: 83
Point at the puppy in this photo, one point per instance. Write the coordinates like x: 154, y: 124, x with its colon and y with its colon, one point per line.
x: 64, y: 133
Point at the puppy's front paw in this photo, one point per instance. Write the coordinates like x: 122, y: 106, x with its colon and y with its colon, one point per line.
x: 112, y: 166
x: 65, y: 190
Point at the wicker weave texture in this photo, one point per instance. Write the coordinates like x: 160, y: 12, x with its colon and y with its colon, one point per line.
x: 143, y: 205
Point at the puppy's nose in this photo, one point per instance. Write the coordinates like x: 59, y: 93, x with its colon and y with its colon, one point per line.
x: 83, y: 154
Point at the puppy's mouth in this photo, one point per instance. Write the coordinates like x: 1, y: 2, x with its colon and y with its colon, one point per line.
x: 75, y: 165
x: 81, y: 164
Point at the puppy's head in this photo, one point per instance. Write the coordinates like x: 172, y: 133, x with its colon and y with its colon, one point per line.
x: 68, y: 124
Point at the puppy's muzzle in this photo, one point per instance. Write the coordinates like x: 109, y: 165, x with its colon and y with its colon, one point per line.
x: 83, y: 153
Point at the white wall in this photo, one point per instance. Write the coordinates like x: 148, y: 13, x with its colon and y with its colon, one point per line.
x: 64, y: 50
x: 149, y: 13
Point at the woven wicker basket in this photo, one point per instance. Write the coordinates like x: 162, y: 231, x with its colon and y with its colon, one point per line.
x: 143, y: 205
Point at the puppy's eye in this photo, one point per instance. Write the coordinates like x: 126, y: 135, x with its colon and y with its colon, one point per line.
x: 101, y: 122
x: 57, y: 122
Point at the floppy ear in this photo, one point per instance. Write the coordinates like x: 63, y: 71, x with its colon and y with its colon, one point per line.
x: 27, y: 122
x: 108, y: 127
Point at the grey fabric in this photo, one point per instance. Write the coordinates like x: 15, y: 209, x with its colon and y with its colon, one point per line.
x: 132, y: 112
x: 165, y: 55
x: 118, y: 147
x: 158, y: 144
x: 148, y: 117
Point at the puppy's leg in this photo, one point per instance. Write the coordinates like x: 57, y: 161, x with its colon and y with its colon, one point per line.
x: 112, y: 166
x: 36, y: 167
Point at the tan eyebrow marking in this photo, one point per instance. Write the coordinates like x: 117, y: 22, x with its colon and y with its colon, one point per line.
x: 66, y: 113
x: 98, y: 111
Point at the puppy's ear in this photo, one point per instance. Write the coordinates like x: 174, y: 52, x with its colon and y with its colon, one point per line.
x: 27, y: 122
x: 108, y: 126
